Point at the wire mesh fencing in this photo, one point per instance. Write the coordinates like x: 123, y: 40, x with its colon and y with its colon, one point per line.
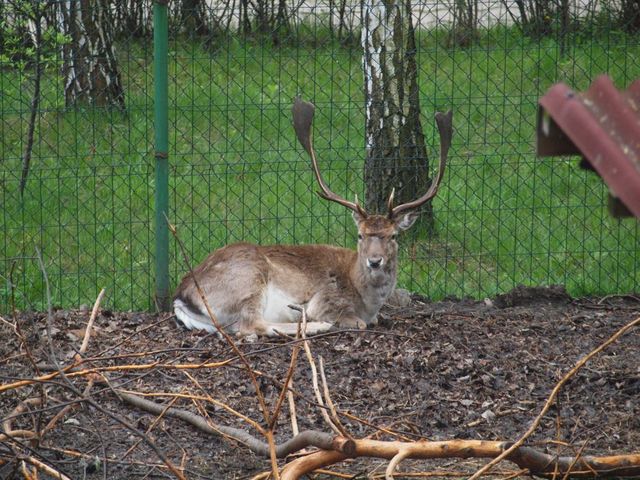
x: 77, y: 141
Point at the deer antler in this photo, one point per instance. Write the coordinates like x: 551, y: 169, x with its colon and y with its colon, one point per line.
x: 302, y: 121
x: 445, y: 128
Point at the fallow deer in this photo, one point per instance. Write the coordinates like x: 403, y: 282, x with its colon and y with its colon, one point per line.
x: 249, y: 287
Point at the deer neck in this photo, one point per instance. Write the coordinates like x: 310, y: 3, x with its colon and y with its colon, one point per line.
x: 374, y: 286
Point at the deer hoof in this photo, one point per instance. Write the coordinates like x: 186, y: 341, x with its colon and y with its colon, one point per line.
x: 353, y: 323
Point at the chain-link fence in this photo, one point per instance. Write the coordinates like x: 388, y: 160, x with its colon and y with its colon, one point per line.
x: 77, y: 140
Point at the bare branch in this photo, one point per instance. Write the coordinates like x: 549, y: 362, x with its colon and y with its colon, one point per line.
x: 92, y: 319
x: 302, y: 440
x: 225, y: 335
x: 536, y: 462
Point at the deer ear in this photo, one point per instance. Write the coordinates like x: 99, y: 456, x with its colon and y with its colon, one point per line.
x: 403, y: 222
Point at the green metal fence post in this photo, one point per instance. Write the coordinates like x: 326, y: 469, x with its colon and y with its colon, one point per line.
x: 161, y: 114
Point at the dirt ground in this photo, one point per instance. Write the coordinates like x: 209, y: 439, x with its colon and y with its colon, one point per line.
x: 445, y: 370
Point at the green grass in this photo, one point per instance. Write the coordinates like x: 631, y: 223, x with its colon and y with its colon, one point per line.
x: 504, y: 217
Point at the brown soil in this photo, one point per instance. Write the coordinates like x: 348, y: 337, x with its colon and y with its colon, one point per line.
x: 452, y: 369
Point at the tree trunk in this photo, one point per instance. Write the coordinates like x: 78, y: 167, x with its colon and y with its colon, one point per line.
x: 193, y: 13
x: 90, y: 68
x: 396, y: 150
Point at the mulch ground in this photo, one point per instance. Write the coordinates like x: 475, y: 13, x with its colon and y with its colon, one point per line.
x: 445, y: 370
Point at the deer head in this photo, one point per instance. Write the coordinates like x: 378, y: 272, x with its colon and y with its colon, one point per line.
x: 377, y: 246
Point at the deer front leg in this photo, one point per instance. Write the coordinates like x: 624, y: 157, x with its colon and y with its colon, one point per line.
x: 327, y: 306
x: 351, y: 322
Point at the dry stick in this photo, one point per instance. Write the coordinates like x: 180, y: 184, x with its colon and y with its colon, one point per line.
x: 24, y: 471
x: 552, y: 397
x: 69, y: 371
x: 327, y: 397
x: 395, y: 461
x: 558, y: 435
x: 278, y: 407
x: 153, y: 424
x: 575, y: 460
x: 292, y: 412
x: 314, y: 375
x: 273, y: 455
x: 9, y: 432
x: 515, y: 474
x: 46, y: 468
x: 92, y: 319
x: 287, y: 381
x: 538, y: 463
x: 225, y: 335
x: 262, y: 476
x: 78, y: 359
x: 304, y: 439
x: 88, y: 400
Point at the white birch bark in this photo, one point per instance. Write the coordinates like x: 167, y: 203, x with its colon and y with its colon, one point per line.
x: 396, y: 151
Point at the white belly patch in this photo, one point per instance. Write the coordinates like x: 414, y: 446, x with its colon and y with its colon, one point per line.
x: 276, y: 308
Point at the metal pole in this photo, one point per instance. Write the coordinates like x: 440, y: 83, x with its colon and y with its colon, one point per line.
x: 161, y: 114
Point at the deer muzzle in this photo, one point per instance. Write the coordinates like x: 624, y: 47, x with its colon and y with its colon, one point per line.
x: 375, y: 262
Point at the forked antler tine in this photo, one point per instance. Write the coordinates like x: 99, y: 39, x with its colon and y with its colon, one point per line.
x: 445, y: 129
x: 302, y: 121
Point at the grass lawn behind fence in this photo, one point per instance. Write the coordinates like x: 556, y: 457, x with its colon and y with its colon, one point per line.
x: 504, y: 217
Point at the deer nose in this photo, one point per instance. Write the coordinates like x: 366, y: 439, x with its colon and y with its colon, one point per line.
x: 375, y: 262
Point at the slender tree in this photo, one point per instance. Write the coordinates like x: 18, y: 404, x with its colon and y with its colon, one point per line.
x: 396, y: 151
x: 193, y: 14
x: 90, y: 68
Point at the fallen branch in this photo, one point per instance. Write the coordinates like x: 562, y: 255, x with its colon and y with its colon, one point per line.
x: 314, y: 375
x: 308, y: 438
x: 535, y: 462
x: 7, y: 428
x: 45, y: 468
x: 71, y: 372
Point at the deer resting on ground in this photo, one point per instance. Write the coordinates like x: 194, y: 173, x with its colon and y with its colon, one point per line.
x: 249, y: 287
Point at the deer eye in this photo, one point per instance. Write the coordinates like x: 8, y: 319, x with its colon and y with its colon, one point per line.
x: 360, y: 236
x: 394, y: 236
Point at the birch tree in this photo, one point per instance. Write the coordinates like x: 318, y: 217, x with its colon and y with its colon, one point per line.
x: 396, y: 152
x: 89, y: 62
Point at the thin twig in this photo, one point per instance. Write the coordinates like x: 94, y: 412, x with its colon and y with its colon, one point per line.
x: 287, y: 381
x: 329, y: 402
x: 92, y: 319
x: 292, y: 412
x: 225, y: 335
x: 575, y: 460
x: 46, y: 468
x: 314, y: 376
